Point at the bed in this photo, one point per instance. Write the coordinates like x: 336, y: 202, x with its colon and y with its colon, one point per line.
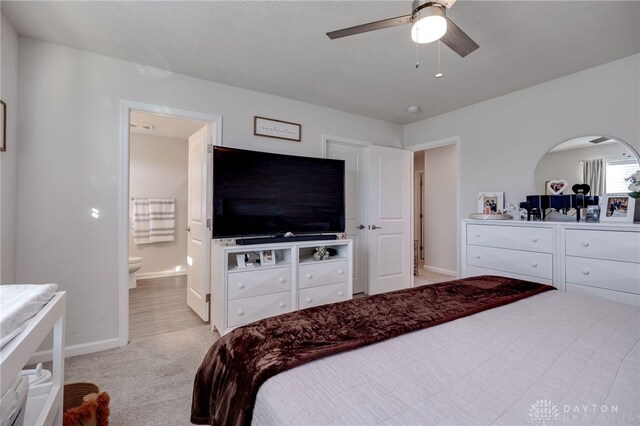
x: 550, y: 356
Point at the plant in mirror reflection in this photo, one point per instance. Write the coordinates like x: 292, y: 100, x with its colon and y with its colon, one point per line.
x: 634, y: 184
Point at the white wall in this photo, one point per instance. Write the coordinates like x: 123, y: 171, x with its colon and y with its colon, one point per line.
x: 501, y: 140
x: 69, y: 162
x: 8, y: 160
x: 440, y: 214
x: 158, y: 169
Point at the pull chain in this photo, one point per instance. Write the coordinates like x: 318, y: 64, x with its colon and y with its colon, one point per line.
x: 417, y: 51
x: 439, y: 74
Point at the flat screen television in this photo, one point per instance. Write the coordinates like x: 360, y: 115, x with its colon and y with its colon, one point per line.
x: 264, y: 194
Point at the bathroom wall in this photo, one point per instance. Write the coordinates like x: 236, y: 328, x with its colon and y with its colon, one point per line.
x: 158, y: 169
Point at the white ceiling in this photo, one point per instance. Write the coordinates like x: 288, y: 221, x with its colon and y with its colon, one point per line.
x: 280, y: 47
x: 164, y: 125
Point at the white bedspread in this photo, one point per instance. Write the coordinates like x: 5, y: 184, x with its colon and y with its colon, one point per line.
x: 558, y: 357
x: 18, y: 304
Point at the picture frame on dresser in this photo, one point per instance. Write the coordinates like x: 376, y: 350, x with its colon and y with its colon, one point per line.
x: 618, y: 207
x: 490, y: 202
x: 267, y: 257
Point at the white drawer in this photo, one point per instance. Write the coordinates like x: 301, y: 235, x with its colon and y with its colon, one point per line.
x: 258, y: 282
x: 516, y: 261
x: 473, y: 271
x: 244, y: 311
x: 511, y: 237
x: 618, y: 276
x: 611, y: 245
x: 616, y: 296
x: 316, y: 296
x: 321, y: 273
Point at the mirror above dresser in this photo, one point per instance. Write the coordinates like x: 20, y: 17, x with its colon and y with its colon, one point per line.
x: 602, y: 162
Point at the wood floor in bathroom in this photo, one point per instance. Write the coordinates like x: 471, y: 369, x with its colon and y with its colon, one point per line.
x: 158, y: 306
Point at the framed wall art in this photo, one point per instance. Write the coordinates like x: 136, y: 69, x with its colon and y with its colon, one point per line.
x: 278, y: 129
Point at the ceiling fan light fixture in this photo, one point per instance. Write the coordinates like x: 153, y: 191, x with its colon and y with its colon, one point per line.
x: 429, y: 24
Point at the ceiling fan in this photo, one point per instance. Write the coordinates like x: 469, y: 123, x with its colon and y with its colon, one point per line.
x: 430, y: 23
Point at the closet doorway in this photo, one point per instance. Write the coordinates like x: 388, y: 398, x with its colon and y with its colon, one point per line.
x: 435, y: 211
x: 165, y: 240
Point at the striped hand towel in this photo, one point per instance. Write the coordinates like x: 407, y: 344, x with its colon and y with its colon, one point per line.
x: 154, y: 220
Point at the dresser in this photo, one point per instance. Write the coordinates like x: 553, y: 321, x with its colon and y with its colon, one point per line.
x: 240, y: 295
x: 596, y: 258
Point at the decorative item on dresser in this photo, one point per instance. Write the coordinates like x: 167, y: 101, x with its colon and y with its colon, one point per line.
x: 293, y: 280
x: 596, y: 258
x: 618, y: 208
x: 490, y: 202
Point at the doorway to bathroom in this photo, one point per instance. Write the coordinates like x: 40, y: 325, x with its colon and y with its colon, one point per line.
x: 167, y: 235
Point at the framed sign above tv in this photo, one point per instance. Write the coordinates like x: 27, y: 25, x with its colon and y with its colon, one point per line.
x: 277, y: 129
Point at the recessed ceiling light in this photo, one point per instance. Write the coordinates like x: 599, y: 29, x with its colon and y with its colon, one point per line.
x: 413, y: 109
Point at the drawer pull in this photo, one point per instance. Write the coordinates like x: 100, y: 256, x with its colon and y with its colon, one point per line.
x: 308, y: 299
x: 281, y: 280
x: 340, y: 271
x: 281, y: 304
x: 586, y: 272
x: 534, y: 264
x: 585, y: 243
x: 340, y: 293
x: 240, y: 285
x: 309, y: 276
x: 240, y: 312
x: 477, y: 235
x: 534, y: 239
x: 477, y: 256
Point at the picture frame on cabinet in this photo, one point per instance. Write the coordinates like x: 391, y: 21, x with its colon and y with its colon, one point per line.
x: 267, y: 257
x: 490, y: 202
x: 617, y: 208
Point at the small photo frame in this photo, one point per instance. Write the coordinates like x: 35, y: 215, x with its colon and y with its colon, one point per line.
x: 490, y: 202
x: 267, y: 257
x: 240, y: 260
x: 617, y: 208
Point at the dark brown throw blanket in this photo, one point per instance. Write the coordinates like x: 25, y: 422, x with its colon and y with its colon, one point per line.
x: 237, y: 364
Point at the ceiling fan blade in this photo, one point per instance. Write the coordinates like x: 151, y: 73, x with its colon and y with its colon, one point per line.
x: 371, y: 26
x: 457, y: 40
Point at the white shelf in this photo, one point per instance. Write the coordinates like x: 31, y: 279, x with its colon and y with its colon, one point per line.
x: 17, y: 352
x: 234, y: 269
x: 336, y: 258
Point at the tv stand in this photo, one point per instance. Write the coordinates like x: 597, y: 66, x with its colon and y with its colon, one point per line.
x: 292, y: 280
x: 283, y: 239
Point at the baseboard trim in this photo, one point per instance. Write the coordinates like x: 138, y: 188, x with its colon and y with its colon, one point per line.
x: 159, y: 274
x: 441, y: 271
x: 75, y: 350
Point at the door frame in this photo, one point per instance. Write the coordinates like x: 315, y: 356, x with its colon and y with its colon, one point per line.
x: 453, y: 140
x: 126, y: 106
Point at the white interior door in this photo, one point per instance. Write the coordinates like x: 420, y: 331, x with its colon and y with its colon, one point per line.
x: 356, y: 165
x: 390, y: 239
x: 198, y: 210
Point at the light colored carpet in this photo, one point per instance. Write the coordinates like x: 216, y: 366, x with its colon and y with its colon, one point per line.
x: 150, y: 380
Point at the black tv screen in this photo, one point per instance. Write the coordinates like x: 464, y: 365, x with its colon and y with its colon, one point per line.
x: 259, y: 193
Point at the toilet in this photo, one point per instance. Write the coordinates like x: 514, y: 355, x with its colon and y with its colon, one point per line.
x: 135, y: 263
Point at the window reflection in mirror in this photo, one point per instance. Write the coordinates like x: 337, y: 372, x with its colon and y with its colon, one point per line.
x: 599, y: 161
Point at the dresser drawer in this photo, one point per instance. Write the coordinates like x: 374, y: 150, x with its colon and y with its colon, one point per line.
x: 511, y: 237
x: 610, y: 245
x: 258, y: 282
x: 244, y: 311
x: 316, y: 296
x: 321, y: 273
x: 616, y: 296
x: 619, y: 276
x: 516, y: 261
